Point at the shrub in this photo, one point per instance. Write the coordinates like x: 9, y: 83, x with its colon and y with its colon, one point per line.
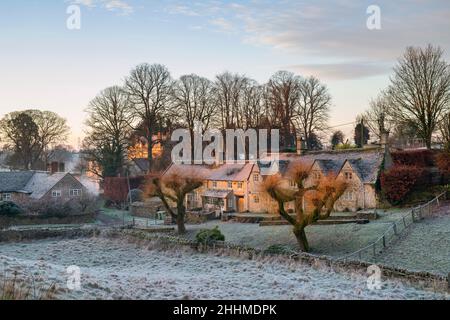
x: 417, y: 158
x: 278, y: 249
x: 9, y: 208
x: 210, y: 235
x: 443, y: 163
x: 399, y: 181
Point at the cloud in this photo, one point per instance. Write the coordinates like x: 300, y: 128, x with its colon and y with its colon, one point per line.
x: 120, y: 6
x: 322, y: 32
x: 341, y: 71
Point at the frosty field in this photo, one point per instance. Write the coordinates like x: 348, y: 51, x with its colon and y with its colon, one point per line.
x: 118, y: 269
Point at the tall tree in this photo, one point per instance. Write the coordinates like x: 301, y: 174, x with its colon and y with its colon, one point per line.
x: 313, y: 107
x: 149, y: 88
x: 379, y: 116
x: 109, y: 118
x: 20, y: 130
x: 282, y: 96
x: 193, y: 102
x: 51, y: 130
x: 337, y: 138
x: 362, y: 134
x: 228, y: 91
x: 444, y: 127
x: 420, y: 89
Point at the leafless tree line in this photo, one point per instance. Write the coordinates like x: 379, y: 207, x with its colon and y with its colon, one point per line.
x: 417, y: 101
x: 150, y: 97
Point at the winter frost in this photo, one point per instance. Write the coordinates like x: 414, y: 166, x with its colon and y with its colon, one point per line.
x: 117, y: 269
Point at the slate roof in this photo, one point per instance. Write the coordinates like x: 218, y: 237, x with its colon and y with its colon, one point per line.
x: 42, y: 182
x: 225, y: 172
x: 142, y: 164
x: 366, y: 163
x: 14, y: 181
x: 34, y: 183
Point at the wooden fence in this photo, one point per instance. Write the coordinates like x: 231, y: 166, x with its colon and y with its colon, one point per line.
x: 416, y: 214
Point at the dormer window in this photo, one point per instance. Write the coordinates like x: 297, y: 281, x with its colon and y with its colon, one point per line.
x: 349, y: 176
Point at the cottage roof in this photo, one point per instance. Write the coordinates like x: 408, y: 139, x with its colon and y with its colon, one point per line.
x: 14, y: 181
x: 221, y: 194
x: 37, y: 184
x: 42, y: 182
x: 142, y: 163
x: 225, y: 172
x: 366, y: 163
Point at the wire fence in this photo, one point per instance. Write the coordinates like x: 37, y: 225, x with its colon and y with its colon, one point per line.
x: 370, y: 252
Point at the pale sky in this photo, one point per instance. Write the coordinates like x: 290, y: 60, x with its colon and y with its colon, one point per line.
x: 44, y: 65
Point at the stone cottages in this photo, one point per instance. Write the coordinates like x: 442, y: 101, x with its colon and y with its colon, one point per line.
x: 237, y: 187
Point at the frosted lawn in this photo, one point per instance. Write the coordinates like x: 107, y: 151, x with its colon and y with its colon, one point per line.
x: 117, y: 269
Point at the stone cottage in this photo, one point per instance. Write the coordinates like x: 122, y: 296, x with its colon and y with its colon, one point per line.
x: 23, y: 187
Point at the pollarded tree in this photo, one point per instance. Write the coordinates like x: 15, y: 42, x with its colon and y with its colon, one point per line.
x: 173, y: 188
x: 378, y: 118
x: 322, y: 197
x: 420, y: 89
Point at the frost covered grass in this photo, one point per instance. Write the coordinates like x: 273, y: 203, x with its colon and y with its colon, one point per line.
x: 425, y: 247
x: 120, y: 269
x: 331, y: 240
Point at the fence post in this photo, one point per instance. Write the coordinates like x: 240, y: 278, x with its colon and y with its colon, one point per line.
x: 404, y: 222
x: 384, y: 241
x: 395, y: 227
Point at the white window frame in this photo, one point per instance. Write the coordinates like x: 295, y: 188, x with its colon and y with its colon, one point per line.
x: 6, y: 196
x: 78, y: 192
x: 240, y: 185
x: 256, y: 199
x: 230, y: 185
x: 56, y: 193
x: 349, y: 175
x: 214, y: 184
x: 256, y: 177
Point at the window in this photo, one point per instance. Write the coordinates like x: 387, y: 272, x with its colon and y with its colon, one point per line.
x: 230, y: 184
x: 6, y: 196
x: 292, y: 183
x: 256, y: 177
x: 240, y: 185
x: 317, y: 175
x: 256, y: 199
x: 75, y: 192
x: 214, y: 184
x: 348, y: 176
x: 56, y: 193
x: 349, y: 196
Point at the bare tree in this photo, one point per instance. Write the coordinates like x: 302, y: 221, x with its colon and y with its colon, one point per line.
x: 173, y: 188
x: 149, y: 88
x: 420, y: 89
x: 228, y: 90
x: 313, y: 108
x: 193, y: 102
x: 444, y: 127
x: 109, y: 118
x: 282, y: 96
x: 322, y: 197
x: 378, y: 118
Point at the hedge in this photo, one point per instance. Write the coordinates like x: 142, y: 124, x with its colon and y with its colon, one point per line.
x: 417, y: 158
x: 400, y: 180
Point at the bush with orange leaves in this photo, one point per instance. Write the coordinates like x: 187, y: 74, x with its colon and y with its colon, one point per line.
x: 173, y: 188
x: 312, y: 203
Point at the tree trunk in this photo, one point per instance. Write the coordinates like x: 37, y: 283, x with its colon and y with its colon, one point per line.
x: 181, y: 213
x: 302, y: 241
x: 150, y: 152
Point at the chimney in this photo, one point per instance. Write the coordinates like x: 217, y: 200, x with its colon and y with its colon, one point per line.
x: 301, y: 146
x: 384, y: 142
